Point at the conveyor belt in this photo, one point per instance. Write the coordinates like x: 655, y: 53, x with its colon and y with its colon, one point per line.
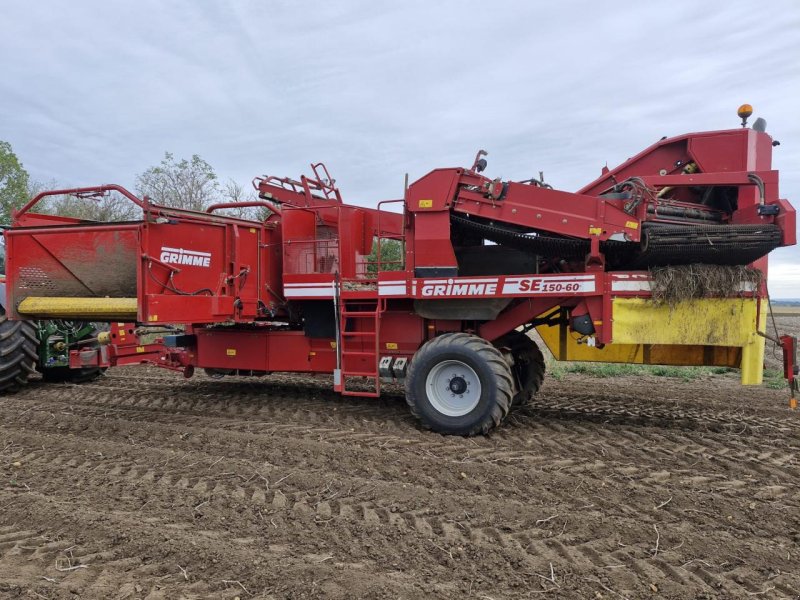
x: 542, y: 245
x: 710, y: 244
x: 661, y: 244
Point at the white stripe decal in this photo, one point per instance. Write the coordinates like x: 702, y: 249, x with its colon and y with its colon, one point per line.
x: 390, y: 290
x: 630, y: 286
x: 552, y: 278
x: 325, y: 292
x: 645, y: 286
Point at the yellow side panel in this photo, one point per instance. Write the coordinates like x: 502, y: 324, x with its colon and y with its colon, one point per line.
x: 707, y: 322
x: 706, y: 332
x: 753, y: 355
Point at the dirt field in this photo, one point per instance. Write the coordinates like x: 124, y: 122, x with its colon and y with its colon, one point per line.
x: 146, y: 485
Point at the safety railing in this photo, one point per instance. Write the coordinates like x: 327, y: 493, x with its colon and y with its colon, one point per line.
x: 245, y: 204
x: 396, y: 254
x: 93, y: 193
x: 320, y: 255
x: 320, y: 187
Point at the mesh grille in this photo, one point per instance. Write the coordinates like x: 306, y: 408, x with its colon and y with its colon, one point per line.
x: 33, y: 278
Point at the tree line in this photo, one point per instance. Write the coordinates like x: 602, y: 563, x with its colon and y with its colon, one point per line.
x: 178, y: 183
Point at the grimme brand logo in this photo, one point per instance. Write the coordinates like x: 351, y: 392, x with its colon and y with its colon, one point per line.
x: 460, y: 288
x: 181, y: 256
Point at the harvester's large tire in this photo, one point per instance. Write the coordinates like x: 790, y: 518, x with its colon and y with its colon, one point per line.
x: 459, y: 384
x: 528, y: 368
x: 18, y: 344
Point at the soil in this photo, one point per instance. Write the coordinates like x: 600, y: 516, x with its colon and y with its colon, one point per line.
x: 145, y: 485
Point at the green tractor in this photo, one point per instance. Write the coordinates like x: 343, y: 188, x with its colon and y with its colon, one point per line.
x: 30, y: 346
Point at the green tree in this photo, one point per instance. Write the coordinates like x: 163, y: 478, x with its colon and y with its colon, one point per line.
x: 392, y: 256
x: 13, y: 183
x: 187, y: 184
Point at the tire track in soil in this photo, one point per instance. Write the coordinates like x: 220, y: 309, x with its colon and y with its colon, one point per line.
x: 504, y: 505
x: 755, y: 462
x: 132, y: 476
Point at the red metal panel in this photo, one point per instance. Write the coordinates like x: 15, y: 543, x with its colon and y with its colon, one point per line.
x: 432, y: 244
x: 352, y: 233
x: 196, y: 271
x: 263, y: 351
x: 71, y: 261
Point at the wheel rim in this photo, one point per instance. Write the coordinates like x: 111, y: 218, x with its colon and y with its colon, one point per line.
x: 453, y: 387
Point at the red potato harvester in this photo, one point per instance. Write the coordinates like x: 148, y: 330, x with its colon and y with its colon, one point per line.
x: 482, y: 262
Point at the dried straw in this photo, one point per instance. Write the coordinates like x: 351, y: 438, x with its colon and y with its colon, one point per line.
x: 671, y: 285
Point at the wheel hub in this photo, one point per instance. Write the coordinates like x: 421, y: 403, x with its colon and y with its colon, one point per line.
x: 458, y: 385
x: 453, y: 387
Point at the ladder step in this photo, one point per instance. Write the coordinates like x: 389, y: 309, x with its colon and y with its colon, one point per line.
x: 359, y: 373
x: 358, y: 353
x: 360, y: 313
x: 359, y: 333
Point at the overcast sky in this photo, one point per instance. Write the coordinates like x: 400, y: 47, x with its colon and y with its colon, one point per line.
x: 96, y: 91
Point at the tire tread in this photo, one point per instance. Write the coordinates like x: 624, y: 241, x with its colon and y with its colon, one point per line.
x: 492, y: 357
x: 18, y: 353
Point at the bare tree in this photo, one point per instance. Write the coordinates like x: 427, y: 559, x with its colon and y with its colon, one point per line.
x: 233, y: 191
x: 188, y: 184
x: 111, y: 207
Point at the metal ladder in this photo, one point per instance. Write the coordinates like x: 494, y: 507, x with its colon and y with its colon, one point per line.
x: 357, y: 344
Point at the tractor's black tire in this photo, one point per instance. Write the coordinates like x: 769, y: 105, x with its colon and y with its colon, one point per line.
x: 486, y: 363
x: 18, y: 346
x: 528, y: 369
x: 67, y: 375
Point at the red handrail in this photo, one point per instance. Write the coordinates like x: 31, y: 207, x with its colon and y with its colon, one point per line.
x: 243, y: 204
x: 86, y: 192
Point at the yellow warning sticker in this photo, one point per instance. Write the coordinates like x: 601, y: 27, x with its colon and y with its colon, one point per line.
x: 139, y: 349
x: 231, y: 351
x: 426, y: 203
x: 595, y: 230
x: 252, y: 230
x: 391, y: 345
x: 152, y: 318
x: 333, y: 345
x: 631, y: 224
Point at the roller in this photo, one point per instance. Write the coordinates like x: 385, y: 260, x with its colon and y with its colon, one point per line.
x: 84, y: 309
